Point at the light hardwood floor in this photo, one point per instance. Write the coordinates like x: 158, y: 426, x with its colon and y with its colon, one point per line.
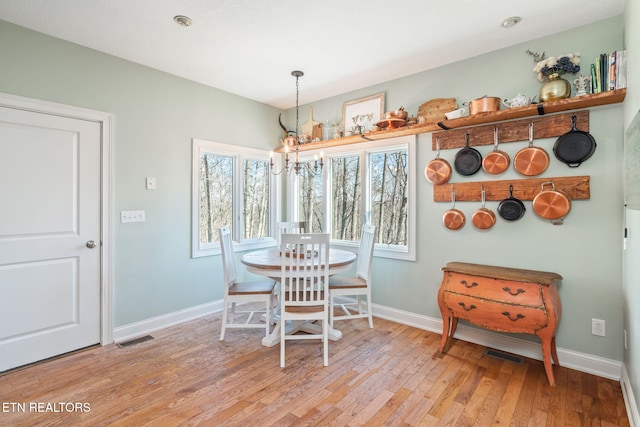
x: 391, y: 375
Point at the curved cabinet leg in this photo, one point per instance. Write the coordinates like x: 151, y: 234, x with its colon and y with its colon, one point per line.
x: 554, y: 352
x: 446, y: 326
x: 454, y: 325
x: 548, y: 348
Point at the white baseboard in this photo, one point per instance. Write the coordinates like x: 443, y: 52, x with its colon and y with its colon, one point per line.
x: 629, y: 399
x: 144, y: 327
x: 588, y: 363
x: 583, y: 362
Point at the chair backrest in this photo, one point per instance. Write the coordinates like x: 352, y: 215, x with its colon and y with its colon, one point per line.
x: 365, y: 252
x: 286, y: 227
x: 228, y: 257
x: 304, y: 268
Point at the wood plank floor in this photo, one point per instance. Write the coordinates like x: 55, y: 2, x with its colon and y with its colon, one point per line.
x: 391, y: 375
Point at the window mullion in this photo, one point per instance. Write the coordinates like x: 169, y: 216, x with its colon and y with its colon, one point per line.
x: 365, y: 185
x: 237, y: 198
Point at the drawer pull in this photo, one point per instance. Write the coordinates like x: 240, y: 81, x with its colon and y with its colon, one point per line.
x: 519, y: 316
x: 471, y: 307
x: 508, y: 289
x: 464, y: 282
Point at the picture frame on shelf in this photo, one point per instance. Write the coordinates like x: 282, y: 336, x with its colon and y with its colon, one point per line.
x: 360, y: 115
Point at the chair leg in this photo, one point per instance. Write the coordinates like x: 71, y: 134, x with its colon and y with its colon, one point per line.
x: 233, y: 312
x: 331, y: 308
x: 224, y: 319
x: 325, y: 340
x: 282, y: 340
x: 369, y: 311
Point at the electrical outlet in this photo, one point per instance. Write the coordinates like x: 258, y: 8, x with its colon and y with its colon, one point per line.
x: 151, y: 183
x: 597, y: 327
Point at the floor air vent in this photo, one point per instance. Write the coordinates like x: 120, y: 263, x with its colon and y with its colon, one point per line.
x: 134, y: 341
x: 504, y: 356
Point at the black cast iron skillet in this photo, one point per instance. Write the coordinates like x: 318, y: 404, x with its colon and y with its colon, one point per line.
x: 575, y: 146
x: 511, y: 208
x: 468, y: 160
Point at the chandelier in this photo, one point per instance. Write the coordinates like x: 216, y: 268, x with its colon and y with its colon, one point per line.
x: 294, y: 141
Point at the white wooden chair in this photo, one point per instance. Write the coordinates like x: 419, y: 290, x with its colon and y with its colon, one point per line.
x: 357, y: 286
x: 261, y: 291
x: 290, y: 227
x: 304, y: 275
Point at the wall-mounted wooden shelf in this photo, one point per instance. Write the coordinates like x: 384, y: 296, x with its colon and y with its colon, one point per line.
x: 575, y: 103
x: 512, y: 131
x: 576, y: 187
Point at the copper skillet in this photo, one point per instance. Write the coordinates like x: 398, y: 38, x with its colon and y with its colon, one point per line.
x: 496, y: 161
x: 483, y: 218
x: 531, y: 161
x: 438, y: 171
x: 453, y: 219
x: 552, y: 204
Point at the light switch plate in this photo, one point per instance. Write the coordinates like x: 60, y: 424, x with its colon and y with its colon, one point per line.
x: 131, y: 216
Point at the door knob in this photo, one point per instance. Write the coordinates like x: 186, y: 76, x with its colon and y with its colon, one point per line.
x: 91, y: 244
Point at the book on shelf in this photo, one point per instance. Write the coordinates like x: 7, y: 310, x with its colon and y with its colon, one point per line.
x: 609, y: 72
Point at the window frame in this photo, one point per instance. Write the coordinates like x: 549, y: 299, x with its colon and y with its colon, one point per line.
x: 239, y: 154
x: 407, y: 253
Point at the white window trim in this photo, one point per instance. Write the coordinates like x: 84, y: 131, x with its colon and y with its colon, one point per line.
x: 362, y: 149
x: 200, y: 146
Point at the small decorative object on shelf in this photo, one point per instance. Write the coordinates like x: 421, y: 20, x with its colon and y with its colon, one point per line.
x: 551, y: 69
x: 518, y: 101
x: 583, y: 83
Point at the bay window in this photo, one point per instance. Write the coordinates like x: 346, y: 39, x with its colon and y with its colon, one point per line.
x: 373, y: 183
x: 232, y: 186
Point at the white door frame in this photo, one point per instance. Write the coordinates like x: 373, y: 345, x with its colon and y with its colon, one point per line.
x: 106, y: 231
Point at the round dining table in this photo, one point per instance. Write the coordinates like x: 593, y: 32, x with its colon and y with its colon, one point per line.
x: 267, y: 262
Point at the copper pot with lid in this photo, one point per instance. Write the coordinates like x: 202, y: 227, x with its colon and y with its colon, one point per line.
x: 496, y: 161
x: 438, y: 171
x: 453, y: 218
x: 531, y: 161
x: 486, y: 104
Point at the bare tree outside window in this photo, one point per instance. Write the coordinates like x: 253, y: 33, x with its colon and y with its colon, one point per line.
x: 372, y: 183
x: 216, y: 195
x: 256, y: 198
x: 345, y: 187
x: 310, y: 199
x: 389, y: 196
x: 231, y: 186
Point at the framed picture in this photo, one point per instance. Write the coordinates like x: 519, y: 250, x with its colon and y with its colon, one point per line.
x: 360, y: 115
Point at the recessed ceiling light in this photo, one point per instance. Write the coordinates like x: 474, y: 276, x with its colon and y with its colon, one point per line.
x: 510, y: 22
x: 185, y: 21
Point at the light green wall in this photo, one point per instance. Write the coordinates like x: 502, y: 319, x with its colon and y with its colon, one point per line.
x: 156, y: 115
x: 631, y: 288
x: 586, y: 250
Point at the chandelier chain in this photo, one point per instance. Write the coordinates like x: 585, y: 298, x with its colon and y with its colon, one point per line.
x: 297, y: 112
x: 296, y: 165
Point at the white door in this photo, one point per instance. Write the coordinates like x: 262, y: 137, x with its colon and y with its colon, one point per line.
x: 49, y: 216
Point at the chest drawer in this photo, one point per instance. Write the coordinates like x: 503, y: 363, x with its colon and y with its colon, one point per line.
x: 506, y: 291
x: 496, y: 315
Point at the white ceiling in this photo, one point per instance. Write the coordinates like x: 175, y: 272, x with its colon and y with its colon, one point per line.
x: 250, y: 47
